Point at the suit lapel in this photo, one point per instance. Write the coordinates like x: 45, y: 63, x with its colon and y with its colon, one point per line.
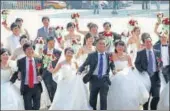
x: 95, y: 59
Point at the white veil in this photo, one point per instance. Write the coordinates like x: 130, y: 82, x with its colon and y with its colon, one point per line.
x: 56, y: 76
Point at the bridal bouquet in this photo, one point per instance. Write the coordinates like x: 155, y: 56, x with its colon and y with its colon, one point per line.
x: 165, y: 25
x: 59, y: 30
x: 4, y: 16
x: 160, y: 17
x: 131, y: 24
x: 47, y: 59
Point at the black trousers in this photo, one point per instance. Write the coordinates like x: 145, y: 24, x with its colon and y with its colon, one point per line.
x: 154, y: 92
x: 50, y: 84
x: 32, y: 97
x: 145, y: 5
x: 98, y: 86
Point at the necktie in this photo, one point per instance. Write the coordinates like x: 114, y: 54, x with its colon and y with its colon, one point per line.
x: 150, y: 63
x: 31, y: 76
x: 100, y: 71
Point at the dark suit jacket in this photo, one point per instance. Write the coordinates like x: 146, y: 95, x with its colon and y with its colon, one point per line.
x: 21, y: 63
x: 141, y: 62
x: 92, y: 61
x: 157, y: 46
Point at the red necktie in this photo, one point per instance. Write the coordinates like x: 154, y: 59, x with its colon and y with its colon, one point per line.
x: 31, y: 75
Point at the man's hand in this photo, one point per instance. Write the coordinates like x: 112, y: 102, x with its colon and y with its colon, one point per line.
x: 78, y: 73
x: 39, y: 78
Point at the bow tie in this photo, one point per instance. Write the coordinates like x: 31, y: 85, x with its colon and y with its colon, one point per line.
x: 164, y: 45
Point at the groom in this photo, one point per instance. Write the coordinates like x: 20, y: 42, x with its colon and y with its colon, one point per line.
x: 149, y: 60
x: 31, y: 87
x: 98, y: 74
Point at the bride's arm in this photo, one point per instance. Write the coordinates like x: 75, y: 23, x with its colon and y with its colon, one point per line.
x: 54, y: 70
x: 80, y: 51
x: 129, y: 61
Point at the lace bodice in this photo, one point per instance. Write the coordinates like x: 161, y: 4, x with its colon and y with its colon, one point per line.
x: 67, y: 71
x: 120, y: 65
x: 7, y: 73
x: 132, y: 48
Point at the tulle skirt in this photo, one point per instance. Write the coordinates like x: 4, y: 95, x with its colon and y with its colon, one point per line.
x: 10, y: 97
x: 164, y: 99
x: 71, y: 94
x: 127, y: 90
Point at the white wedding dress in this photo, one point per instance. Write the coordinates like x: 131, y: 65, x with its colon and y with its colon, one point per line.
x: 10, y: 94
x: 127, y: 91
x: 71, y: 93
x: 164, y: 99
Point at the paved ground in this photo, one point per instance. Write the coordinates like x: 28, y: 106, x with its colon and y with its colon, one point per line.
x: 32, y: 19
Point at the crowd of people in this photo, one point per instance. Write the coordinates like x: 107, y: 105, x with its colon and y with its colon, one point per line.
x: 102, y: 70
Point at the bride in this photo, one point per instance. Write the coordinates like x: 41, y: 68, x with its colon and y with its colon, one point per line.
x: 85, y: 49
x: 71, y: 93
x: 133, y: 44
x: 126, y: 92
x: 10, y: 95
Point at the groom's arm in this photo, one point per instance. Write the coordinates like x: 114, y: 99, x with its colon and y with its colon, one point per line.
x: 87, y: 62
x: 138, y: 62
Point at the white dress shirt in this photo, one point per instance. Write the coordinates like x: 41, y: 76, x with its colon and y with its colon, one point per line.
x: 165, y: 55
x: 104, y: 64
x: 153, y: 58
x: 50, y: 51
x: 46, y: 29
x: 27, y: 71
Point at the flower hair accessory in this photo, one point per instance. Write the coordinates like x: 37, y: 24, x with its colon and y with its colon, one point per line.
x: 131, y: 24
x: 4, y: 16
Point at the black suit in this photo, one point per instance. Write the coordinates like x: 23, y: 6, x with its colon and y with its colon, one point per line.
x: 141, y: 64
x: 97, y: 85
x: 47, y: 76
x: 29, y: 94
x: 166, y: 69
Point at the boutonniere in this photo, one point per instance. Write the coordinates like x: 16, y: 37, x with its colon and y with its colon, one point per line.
x: 110, y: 58
x: 159, y: 60
x: 39, y: 65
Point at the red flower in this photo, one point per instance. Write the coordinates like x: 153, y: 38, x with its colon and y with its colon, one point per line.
x: 108, y: 34
x: 166, y: 21
x: 110, y: 58
x: 48, y: 54
x: 59, y: 39
x: 74, y: 42
x: 75, y: 15
x: 133, y: 22
x: 159, y: 59
x: 39, y: 65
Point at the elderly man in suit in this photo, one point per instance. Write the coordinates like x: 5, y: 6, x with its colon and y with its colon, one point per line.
x: 46, y: 30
